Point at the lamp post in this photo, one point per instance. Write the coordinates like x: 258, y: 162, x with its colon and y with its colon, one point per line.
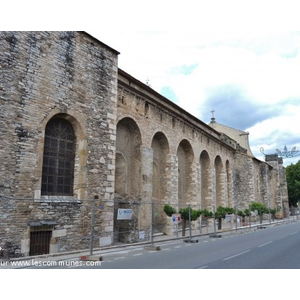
x: 285, y: 153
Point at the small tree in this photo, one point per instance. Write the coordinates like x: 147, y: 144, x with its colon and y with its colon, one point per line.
x: 243, y: 214
x: 185, y: 216
x: 260, y: 208
x: 221, y: 213
x: 273, y: 212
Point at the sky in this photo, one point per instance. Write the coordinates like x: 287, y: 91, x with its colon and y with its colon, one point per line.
x: 250, y: 79
x: 238, y: 58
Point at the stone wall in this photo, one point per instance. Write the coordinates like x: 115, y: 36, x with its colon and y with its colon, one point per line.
x: 68, y: 75
x: 202, y: 166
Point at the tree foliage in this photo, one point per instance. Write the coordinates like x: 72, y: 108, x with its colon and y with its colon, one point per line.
x: 293, y: 183
x: 206, y: 213
x: 222, y: 211
x: 184, y: 212
x: 259, y: 207
x: 169, y: 210
x: 195, y: 213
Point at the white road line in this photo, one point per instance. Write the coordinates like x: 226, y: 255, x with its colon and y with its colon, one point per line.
x: 265, y: 244
x: 233, y: 256
x: 138, y: 254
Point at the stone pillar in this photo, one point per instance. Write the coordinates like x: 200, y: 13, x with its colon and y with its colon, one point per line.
x: 193, y: 192
x: 145, y: 211
x: 198, y: 185
x: 172, y: 180
x: 213, y: 198
x: 223, y: 190
x: 229, y: 189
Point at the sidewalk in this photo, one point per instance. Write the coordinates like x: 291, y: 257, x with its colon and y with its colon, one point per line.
x: 97, y: 253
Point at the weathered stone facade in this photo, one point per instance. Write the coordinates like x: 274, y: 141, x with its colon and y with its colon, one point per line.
x: 197, y: 164
x: 46, y: 76
x: 132, y: 145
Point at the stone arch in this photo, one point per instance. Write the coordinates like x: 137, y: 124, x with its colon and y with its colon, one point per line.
x: 219, y: 184
x: 79, y: 180
x: 128, y: 158
x: 160, y: 148
x: 185, y: 157
x: 205, y: 179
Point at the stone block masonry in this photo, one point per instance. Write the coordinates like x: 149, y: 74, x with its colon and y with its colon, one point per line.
x: 46, y: 75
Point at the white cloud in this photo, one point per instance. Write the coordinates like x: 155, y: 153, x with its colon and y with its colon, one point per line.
x: 253, y: 79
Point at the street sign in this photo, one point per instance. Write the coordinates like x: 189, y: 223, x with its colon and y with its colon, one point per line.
x: 176, y: 218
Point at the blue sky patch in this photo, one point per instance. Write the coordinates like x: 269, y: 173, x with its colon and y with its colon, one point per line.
x: 185, y: 70
x: 167, y: 92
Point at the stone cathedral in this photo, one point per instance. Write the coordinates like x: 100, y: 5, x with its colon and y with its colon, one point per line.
x: 74, y: 127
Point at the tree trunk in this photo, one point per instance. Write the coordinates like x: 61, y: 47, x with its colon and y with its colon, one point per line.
x: 183, y: 226
x: 219, y: 223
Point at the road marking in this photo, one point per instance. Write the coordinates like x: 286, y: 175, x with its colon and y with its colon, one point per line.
x: 233, y: 256
x: 265, y: 244
x: 177, y: 246
x: 138, y: 254
x: 294, y: 233
x: 122, y: 257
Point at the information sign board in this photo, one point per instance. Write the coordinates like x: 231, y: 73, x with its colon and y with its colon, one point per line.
x: 124, y: 214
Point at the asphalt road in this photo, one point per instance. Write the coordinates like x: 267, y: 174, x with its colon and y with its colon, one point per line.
x: 270, y: 248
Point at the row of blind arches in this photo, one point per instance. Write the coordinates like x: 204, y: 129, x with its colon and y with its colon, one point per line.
x: 58, y: 158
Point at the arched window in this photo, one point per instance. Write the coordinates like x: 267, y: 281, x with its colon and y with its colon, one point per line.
x: 58, y: 159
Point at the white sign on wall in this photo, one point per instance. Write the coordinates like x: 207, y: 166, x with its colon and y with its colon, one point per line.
x: 124, y: 214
